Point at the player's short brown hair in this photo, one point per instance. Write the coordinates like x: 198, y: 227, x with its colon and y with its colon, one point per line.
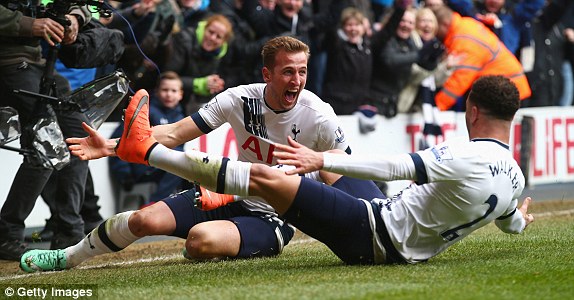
x: 285, y: 43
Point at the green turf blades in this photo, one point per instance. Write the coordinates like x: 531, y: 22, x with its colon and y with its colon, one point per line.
x: 487, y: 265
x: 43, y: 260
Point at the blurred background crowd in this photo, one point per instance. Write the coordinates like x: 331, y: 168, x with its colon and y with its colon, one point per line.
x: 388, y: 54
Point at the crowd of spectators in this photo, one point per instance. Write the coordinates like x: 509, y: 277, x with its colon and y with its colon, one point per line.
x: 385, y: 54
x: 367, y: 57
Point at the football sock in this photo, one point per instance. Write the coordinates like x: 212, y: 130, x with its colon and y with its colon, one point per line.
x: 111, y: 236
x: 315, y: 175
x: 216, y: 173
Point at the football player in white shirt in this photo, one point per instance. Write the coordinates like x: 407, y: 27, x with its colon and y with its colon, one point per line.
x: 459, y: 186
x: 261, y: 115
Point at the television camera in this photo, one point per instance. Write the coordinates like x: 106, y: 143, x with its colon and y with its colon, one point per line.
x: 96, y: 99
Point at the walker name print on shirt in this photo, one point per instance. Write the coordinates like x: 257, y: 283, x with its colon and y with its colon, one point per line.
x: 502, y: 167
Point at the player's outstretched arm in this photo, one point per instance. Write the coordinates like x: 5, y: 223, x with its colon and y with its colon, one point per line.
x: 302, y: 158
x: 93, y: 146
x: 529, y: 218
x: 516, y: 218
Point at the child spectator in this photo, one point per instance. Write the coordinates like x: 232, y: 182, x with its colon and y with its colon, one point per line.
x: 164, y: 109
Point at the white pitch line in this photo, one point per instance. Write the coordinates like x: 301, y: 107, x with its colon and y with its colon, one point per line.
x: 109, y: 264
x: 17, y: 276
x: 303, y: 241
x: 132, y: 262
x: 554, y: 213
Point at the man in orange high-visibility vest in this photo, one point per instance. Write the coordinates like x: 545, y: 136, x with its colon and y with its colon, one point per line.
x: 481, y: 53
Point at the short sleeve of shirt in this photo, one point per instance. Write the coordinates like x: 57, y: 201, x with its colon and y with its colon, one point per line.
x: 443, y: 162
x: 331, y: 134
x: 215, y: 112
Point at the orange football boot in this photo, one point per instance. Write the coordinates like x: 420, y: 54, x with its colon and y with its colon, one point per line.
x: 208, y: 200
x: 137, y: 140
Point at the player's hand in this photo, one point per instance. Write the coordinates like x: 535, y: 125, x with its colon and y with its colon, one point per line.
x: 91, y: 147
x: 48, y: 29
x: 529, y: 218
x: 302, y: 158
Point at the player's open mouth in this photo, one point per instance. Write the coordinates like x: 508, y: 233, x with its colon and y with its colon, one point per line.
x: 290, y: 96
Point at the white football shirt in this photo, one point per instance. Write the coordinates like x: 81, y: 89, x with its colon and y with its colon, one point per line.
x: 257, y: 128
x: 460, y: 186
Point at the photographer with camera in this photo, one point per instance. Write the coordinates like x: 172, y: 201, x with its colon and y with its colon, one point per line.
x: 23, y: 27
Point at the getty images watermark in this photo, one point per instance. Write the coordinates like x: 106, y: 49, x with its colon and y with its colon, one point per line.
x: 45, y: 291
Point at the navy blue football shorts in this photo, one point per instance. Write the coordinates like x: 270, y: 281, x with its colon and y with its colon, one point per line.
x: 336, y: 218
x: 261, y: 234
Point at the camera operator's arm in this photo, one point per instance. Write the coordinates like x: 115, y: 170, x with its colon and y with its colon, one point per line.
x: 78, y: 17
x: 48, y: 29
x: 71, y: 32
x: 13, y: 23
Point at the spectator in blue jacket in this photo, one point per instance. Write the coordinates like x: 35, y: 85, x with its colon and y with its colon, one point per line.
x: 509, y: 20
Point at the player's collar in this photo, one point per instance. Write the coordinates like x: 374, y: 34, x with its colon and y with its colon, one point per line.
x: 491, y: 140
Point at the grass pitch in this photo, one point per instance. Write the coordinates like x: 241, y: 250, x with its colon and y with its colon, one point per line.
x: 489, y: 264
